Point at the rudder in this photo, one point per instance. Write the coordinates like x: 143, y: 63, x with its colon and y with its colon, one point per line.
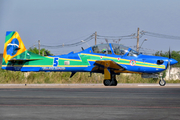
x: 13, y: 46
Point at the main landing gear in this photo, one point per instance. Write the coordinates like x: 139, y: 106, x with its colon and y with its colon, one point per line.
x: 111, y: 82
x: 109, y: 76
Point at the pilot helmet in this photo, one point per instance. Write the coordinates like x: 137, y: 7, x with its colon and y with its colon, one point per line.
x: 103, y: 50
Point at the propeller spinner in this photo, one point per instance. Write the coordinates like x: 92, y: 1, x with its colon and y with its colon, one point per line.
x: 170, y: 62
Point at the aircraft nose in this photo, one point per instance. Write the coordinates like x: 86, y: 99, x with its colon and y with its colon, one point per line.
x: 173, y: 61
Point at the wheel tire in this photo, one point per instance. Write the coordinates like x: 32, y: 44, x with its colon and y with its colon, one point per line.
x: 162, y: 82
x: 107, y: 82
x: 114, y: 83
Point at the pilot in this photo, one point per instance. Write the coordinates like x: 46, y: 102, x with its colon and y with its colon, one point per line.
x: 122, y: 52
x: 116, y: 51
x: 104, y: 51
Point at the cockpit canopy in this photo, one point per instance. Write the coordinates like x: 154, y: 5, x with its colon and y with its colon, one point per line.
x: 102, y: 48
x: 115, y: 49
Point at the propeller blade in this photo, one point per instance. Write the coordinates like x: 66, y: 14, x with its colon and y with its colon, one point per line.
x: 169, y: 65
x: 169, y: 53
x: 169, y: 69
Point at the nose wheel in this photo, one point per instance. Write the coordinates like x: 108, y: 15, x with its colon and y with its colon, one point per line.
x: 162, y: 82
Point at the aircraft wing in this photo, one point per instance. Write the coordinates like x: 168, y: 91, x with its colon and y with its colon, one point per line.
x: 100, y: 65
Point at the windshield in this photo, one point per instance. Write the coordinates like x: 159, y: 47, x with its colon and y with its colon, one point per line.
x: 133, y: 53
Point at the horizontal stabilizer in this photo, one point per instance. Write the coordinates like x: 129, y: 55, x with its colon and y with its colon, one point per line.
x: 13, y: 60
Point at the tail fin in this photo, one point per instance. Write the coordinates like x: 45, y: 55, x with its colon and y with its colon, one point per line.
x: 13, y: 46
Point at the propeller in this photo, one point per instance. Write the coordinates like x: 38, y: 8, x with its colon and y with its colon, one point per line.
x: 169, y: 63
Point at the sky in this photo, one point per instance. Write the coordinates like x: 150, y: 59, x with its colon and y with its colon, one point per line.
x: 57, y: 22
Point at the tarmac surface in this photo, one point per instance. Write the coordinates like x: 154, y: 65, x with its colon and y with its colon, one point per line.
x: 90, y: 102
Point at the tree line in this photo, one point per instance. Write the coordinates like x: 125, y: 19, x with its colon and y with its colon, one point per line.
x: 42, y: 51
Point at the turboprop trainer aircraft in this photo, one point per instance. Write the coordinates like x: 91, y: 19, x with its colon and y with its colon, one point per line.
x: 109, y: 59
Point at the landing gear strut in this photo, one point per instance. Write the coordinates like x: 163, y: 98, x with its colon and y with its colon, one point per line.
x: 109, y: 77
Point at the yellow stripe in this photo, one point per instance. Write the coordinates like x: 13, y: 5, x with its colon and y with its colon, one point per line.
x: 163, y: 67
x: 72, y: 66
x: 69, y: 59
x: 148, y: 64
x: 145, y: 63
x: 46, y: 66
x: 105, y: 57
x: 29, y: 66
x: 91, y: 60
x: 49, y: 57
x: 37, y: 66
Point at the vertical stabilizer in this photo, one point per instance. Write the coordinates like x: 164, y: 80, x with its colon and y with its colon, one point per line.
x: 13, y: 46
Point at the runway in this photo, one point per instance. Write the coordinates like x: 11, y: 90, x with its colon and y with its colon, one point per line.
x: 111, y: 103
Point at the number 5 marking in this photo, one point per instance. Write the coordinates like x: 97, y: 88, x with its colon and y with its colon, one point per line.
x: 55, y: 63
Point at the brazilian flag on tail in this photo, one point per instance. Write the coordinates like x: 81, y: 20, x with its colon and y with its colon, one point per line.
x: 13, y: 46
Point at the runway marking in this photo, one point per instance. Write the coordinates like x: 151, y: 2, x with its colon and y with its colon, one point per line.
x: 158, y: 85
x: 158, y: 107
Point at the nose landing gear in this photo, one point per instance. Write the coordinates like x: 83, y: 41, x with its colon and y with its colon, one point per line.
x: 162, y: 82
